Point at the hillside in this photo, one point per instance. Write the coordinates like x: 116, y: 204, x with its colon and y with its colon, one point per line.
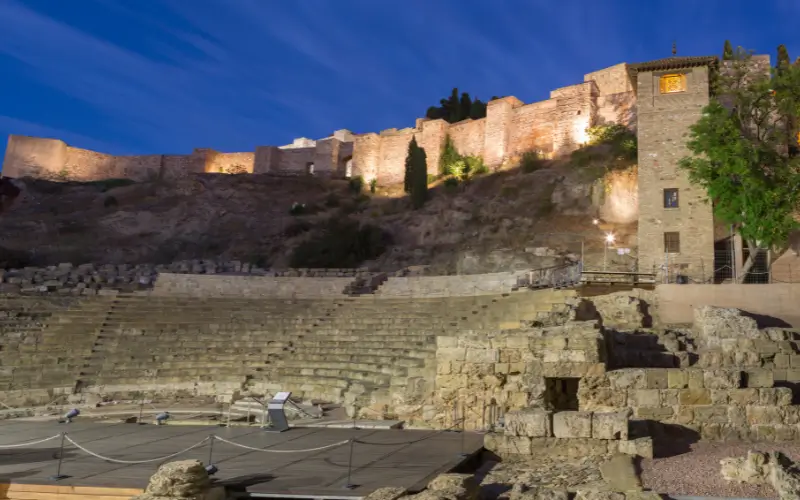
x: 491, y: 222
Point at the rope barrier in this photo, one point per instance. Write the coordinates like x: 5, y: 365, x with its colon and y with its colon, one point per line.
x: 29, y: 443
x: 114, y: 460
x: 409, y: 442
x: 340, y: 443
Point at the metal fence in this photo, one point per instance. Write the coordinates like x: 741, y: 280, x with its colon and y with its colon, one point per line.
x: 765, y: 268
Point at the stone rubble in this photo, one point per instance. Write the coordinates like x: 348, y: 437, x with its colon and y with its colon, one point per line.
x: 773, y: 468
x: 181, y: 480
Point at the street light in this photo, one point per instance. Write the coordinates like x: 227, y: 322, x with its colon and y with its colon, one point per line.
x: 609, y: 240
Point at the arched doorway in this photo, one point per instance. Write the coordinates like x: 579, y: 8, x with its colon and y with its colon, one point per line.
x: 310, y: 168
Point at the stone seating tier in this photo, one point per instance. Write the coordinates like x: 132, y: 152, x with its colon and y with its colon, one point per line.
x: 344, y: 350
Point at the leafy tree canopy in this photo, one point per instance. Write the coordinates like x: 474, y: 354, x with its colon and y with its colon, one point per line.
x: 741, y: 152
x: 456, y: 108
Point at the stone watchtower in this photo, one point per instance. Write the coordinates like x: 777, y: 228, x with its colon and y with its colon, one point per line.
x: 676, y: 225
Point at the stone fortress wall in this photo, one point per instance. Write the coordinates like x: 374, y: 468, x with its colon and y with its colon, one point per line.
x: 554, y: 126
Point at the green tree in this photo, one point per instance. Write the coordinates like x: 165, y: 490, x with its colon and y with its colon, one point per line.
x: 739, y: 155
x: 727, y: 51
x: 416, y: 174
x: 455, y: 108
x: 784, y: 61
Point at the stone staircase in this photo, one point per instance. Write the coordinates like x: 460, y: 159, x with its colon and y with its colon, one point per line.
x: 44, y: 341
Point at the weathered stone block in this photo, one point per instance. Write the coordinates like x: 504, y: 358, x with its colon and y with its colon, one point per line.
x: 757, y: 415
x: 643, y: 397
x: 711, y: 414
x: 657, y: 378
x: 642, y: 447
x: 743, y: 397
x: 628, y: 378
x: 610, y: 425
x: 694, y: 397
x: 451, y: 353
x: 481, y: 356
x: 654, y: 412
x: 505, y: 445
x: 572, y: 424
x: 677, y: 378
x: 760, y: 378
x: 668, y: 397
x: 531, y: 422
x: 722, y: 379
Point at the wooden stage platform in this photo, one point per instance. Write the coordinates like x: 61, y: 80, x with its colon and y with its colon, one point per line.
x: 380, y: 458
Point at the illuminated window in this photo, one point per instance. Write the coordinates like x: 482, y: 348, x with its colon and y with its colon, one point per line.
x: 670, y: 84
x: 672, y: 242
x: 671, y: 198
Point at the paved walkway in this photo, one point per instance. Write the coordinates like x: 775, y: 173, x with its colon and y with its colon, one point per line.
x: 380, y: 457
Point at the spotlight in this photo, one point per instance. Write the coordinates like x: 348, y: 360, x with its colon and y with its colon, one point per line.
x: 162, y: 417
x: 211, y: 469
x: 595, y: 221
x: 70, y: 415
x: 610, y: 238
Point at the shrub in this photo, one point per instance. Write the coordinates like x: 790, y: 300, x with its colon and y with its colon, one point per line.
x: 356, y: 184
x: 110, y: 202
x: 298, y: 209
x: 341, y: 244
x: 475, y: 166
x: 236, y: 170
x: 332, y: 200
x: 297, y: 228
x: 373, y: 185
x: 432, y: 178
x: 450, y: 183
x: 619, y: 138
x: 531, y: 161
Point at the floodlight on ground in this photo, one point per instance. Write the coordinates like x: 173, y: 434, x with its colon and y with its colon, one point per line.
x: 70, y: 415
x: 211, y: 469
x: 610, y: 238
x: 161, y: 418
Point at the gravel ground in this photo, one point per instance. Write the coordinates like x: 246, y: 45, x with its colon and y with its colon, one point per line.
x: 697, y: 472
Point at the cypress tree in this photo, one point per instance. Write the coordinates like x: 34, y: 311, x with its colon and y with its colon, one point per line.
x: 783, y: 57
x: 465, y: 107
x: 727, y: 51
x: 419, y: 183
x: 453, y: 107
x: 408, y: 175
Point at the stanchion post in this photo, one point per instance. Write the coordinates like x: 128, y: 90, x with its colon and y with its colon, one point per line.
x: 463, y: 436
x: 59, y: 476
x: 211, y: 449
x: 349, y: 484
x: 141, y: 411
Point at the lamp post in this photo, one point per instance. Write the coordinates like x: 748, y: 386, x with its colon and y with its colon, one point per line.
x: 608, y: 240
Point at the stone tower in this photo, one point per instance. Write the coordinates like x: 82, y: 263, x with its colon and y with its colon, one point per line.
x: 676, y: 225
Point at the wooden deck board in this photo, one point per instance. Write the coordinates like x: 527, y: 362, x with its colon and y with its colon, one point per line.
x: 396, y: 457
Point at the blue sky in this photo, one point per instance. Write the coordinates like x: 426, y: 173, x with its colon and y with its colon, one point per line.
x: 165, y: 76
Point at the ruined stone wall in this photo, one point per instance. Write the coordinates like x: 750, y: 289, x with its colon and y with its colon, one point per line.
x: 230, y: 163
x: 34, y: 157
x: 468, y: 136
x: 293, y: 161
x: 663, y: 121
x: 138, y: 168
x: 483, y: 375
x: 532, y: 128
x: 249, y: 286
x: 86, y: 165
x: 366, y: 156
x: 393, y: 152
x: 617, y: 108
x: 612, y: 80
x: 575, y: 112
